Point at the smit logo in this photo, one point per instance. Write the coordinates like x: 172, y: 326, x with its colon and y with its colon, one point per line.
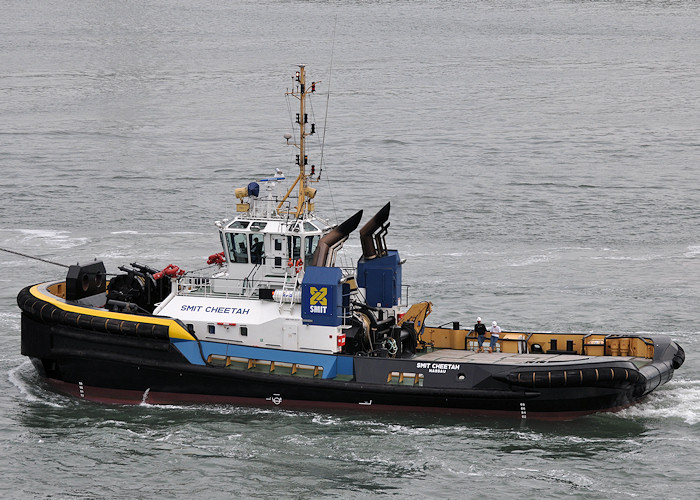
x: 318, y: 296
x: 318, y: 302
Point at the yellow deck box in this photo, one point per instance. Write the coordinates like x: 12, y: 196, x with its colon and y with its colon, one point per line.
x: 595, y: 347
x: 515, y: 343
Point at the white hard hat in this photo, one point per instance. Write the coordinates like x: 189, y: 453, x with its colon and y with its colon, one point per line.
x: 494, y: 323
x: 478, y: 319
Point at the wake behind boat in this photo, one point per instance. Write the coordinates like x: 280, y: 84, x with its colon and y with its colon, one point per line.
x: 276, y: 322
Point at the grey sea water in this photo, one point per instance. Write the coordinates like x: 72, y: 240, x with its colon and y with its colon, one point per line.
x: 541, y: 158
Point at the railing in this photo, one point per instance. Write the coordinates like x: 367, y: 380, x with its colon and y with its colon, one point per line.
x: 590, y: 344
x: 225, y: 287
x: 249, y: 287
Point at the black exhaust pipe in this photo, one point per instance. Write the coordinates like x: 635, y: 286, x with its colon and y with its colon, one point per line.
x: 329, y: 244
x: 373, y: 245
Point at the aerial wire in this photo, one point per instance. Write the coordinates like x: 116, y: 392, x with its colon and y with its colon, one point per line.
x: 325, y: 119
x: 343, y: 255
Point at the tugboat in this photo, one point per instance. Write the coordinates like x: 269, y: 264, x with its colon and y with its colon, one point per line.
x: 274, y: 321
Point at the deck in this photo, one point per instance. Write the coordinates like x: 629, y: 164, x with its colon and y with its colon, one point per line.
x: 503, y: 358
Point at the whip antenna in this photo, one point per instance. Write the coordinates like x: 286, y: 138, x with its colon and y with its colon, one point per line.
x: 325, y: 119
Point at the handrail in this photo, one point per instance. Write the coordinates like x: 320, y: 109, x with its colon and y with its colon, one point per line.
x: 203, y: 285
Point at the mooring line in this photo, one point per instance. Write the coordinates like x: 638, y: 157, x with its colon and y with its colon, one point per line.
x: 35, y: 258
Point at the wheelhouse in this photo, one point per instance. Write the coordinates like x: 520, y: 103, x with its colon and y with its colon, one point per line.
x: 269, y: 245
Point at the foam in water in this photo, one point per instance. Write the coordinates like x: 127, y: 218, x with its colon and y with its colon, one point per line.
x: 535, y: 259
x: 678, y: 399
x: 693, y: 251
x: 15, y: 376
x: 52, y: 238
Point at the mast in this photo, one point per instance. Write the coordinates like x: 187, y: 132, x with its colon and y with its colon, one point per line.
x: 302, y: 136
x: 305, y: 192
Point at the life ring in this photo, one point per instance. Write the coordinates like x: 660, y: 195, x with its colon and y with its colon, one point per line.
x: 299, y: 265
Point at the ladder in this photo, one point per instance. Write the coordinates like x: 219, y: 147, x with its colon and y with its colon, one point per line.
x: 289, y: 286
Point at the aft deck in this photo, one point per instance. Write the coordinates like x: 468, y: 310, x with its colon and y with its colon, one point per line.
x: 505, y: 358
x: 533, y: 347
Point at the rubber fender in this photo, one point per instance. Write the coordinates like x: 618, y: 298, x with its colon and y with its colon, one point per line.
x: 84, y: 321
x: 112, y: 326
x: 49, y: 313
x: 70, y: 319
x: 678, y: 358
x: 584, y: 377
x: 128, y: 328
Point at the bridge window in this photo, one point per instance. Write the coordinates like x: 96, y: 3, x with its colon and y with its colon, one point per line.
x: 310, y: 248
x: 257, y: 249
x: 237, y: 247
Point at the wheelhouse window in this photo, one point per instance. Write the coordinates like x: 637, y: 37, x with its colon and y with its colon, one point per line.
x: 237, y: 247
x: 311, y: 242
x: 257, y: 249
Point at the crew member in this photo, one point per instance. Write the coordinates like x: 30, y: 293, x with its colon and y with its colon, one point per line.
x: 480, y: 330
x: 495, y: 332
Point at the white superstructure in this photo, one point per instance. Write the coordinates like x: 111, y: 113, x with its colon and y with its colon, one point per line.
x: 254, y: 296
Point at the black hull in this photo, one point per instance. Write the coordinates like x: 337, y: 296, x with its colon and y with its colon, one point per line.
x: 123, y: 369
x: 128, y: 397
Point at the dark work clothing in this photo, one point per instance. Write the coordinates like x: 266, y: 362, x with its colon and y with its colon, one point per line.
x: 480, y: 330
